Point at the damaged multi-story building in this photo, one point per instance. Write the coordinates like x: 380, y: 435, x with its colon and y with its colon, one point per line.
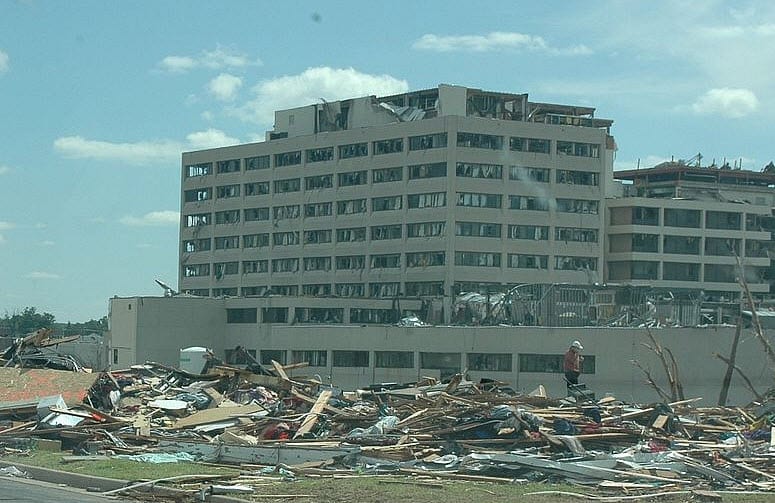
x: 363, y: 211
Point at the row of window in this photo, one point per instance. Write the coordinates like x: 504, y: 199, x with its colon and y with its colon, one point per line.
x: 388, y: 261
x: 673, y: 217
x: 378, y: 290
x: 681, y: 271
x: 416, y: 172
x: 688, y: 245
x: 390, y: 146
x: 479, y: 362
x: 391, y: 203
x: 389, y: 232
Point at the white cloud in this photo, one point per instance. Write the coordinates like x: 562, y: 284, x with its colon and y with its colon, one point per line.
x: 726, y: 102
x: 225, y: 86
x: 42, y: 275
x: 207, y: 115
x: 493, y: 41
x: 217, y: 59
x: 4, y: 226
x: 210, y: 138
x: 310, y: 86
x: 48, y: 243
x: 154, y: 218
x: 4, y: 65
x: 143, y: 152
x: 4, y: 170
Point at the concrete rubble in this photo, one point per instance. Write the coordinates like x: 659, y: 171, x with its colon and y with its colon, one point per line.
x: 273, y: 425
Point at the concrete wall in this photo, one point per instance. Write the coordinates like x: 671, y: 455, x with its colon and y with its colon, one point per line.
x: 164, y: 325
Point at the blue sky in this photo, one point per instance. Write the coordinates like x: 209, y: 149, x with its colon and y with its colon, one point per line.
x: 99, y: 98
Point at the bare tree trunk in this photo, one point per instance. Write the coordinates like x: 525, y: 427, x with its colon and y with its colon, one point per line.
x: 722, y: 399
x: 653, y: 384
x: 745, y: 377
x: 758, y: 332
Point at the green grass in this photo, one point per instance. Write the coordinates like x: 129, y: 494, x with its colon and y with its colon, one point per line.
x: 361, y: 489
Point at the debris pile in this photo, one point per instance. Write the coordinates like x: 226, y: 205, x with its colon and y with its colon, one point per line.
x: 269, y: 423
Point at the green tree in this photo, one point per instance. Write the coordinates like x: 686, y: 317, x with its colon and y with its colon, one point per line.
x: 27, y: 321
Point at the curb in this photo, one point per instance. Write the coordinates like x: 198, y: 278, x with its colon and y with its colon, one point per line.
x: 89, y: 482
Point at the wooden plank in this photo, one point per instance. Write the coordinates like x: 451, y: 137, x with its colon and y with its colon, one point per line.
x: 217, y: 414
x: 329, y: 408
x: 312, y: 417
x: 280, y: 370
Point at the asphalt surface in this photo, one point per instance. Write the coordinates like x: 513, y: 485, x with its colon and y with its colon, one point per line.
x: 19, y: 490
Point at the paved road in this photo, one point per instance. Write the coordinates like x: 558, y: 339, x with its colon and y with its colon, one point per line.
x: 16, y: 490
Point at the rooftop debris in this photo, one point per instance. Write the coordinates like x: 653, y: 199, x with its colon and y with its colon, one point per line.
x: 273, y: 425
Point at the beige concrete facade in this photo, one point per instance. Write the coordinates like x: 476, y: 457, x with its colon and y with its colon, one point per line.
x: 156, y: 328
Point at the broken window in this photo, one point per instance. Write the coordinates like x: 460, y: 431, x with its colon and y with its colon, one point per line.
x: 578, y: 149
x: 256, y: 214
x: 201, y: 169
x: 196, y: 270
x: 222, y: 269
x: 386, y: 203
x: 319, y: 315
x: 198, y: 292
x: 225, y: 292
x: 680, y: 271
x: 478, y: 140
x: 198, y: 219
x: 260, y: 162
x: 255, y: 266
x: 719, y: 273
x: 531, y: 203
x: 424, y: 288
x: 428, y: 141
x: 229, y: 166
x: 381, y: 232
x: 267, y: 355
x: 254, y: 291
x: 350, y: 358
x: 351, y: 262
x: 287, y: 185
x: 394, y: 359
x: 285, y: 238
x: 351, y: 234
x: 629, y: 270
x: 285, y: 290
x: 535, y: 232
x: 535, y: 145
x: 575, y: 234
x: 425, y: 259
x: 286, y: 212
x: 352, y: 178
x: 318, y: 210
x: 353, y: 150
x: 256, y: 188
x: 318, y: 182
x: 572, y: 177
x: 527, y: 174
x: 274, y: 315
x: 387, y: 175
x: 349, y: 290
x: 425, y: 229
x: 242, y: 315
x: 227, y: 217
x: 722, y: 247
x: 755, y: 248
x: 478, y: 200
x: 478, y: 229
x: 386, y: 261
x: 320, y: 154
x: 490, y: 362
x: 526, y: 261
x: 351, y: 207
x: 687, y: 245
x: 318, y: 358
x: 388, y: 146
x: 196, y: 245
x: 682, y: 218
x: 577, y: 206
x: 316, y: 290
x: 317, y: 263
x: 285, y: 265
x: 646, y: 243
x: 478, y: 170
x: 233, y: 357
x: 427, y: 200
x: 317, y: 236
x: 194, y: 195
x: 434, y: 170
x: 287, y: 159
x: 562, y: 263
x: 226, y: 242
x: 552, y: 364
x: 644, y: 215
x: 478, y: 259
x: 449, y: 362
x: 725, y: 220
x: 373, y: 316
x: 226, y: 191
